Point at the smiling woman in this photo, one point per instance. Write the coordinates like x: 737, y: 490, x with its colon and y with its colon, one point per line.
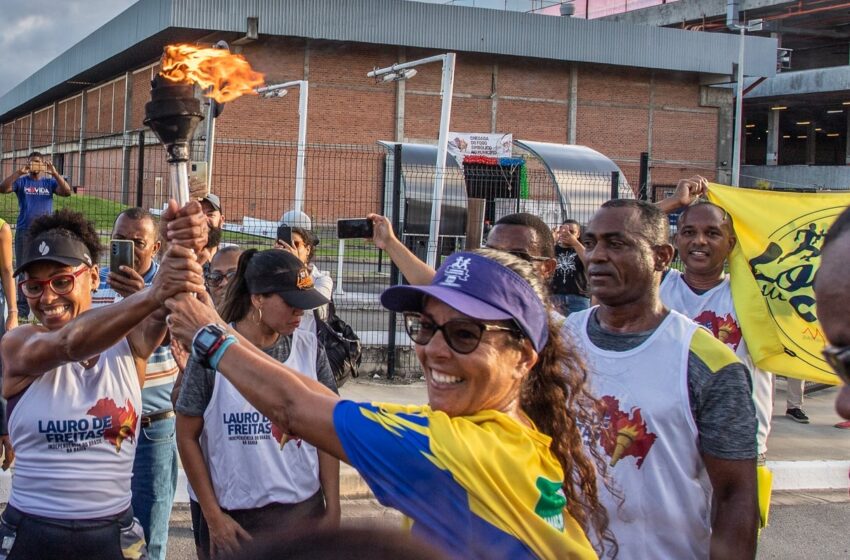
x: 494, y: 467
x: 74, y: 387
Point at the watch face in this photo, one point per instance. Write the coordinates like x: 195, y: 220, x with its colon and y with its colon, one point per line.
x: 205, y: 339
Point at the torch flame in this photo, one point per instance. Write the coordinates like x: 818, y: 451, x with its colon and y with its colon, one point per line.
x: 227, y: 75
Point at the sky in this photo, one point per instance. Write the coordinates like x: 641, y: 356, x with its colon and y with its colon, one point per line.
x: 37, y: 31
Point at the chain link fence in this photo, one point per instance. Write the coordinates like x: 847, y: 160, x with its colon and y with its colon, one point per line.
x: 256, y: 182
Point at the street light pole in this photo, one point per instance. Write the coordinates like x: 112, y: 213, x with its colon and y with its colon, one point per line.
x: 755, y: 25
x: 446, y: 91
x: 739, y: 108
x: 279, y: 90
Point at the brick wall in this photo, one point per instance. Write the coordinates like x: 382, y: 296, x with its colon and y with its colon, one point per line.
x: 619, y: 111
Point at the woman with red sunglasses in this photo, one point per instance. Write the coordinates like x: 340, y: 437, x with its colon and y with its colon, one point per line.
x: 73, y: 381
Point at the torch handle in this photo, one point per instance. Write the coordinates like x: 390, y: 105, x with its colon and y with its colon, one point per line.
x: 180, y: 182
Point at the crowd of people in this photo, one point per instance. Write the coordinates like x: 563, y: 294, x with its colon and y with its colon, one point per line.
x: 585, y: 399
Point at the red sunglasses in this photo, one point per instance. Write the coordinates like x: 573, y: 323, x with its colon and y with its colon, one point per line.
x: 61, y: 284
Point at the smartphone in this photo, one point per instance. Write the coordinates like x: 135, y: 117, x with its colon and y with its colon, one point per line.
x: 121, y: 253
x: 284, y: 233
x: 359, y: 228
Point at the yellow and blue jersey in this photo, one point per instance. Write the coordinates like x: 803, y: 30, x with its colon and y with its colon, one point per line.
x: 479, y: 486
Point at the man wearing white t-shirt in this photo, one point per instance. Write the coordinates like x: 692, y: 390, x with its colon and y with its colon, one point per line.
x: 704, y: 240
x: 678, y: 423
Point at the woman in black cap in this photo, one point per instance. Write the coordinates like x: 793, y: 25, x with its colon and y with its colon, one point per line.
x: 74, y: 387
x: 248, y: 476
x: 495, y: 467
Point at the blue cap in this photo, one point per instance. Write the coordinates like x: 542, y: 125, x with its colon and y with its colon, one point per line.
x: 482, y: 289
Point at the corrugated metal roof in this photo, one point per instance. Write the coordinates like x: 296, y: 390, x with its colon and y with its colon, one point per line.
x: 144, y: 27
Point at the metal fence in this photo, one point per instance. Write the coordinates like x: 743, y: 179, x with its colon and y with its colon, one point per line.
x: 255, y: 181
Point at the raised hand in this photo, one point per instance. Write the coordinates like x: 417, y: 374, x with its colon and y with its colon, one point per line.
x: 185, y: 226
x: 383, y: 230
x: 125, y: 281
x: 179, y: 272
x: 188, y: 315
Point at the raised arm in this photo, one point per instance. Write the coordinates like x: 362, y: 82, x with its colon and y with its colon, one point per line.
x: 31, y: 350
x: 687, y: 191
x: 62, y: 188
x: 6, y: 185
x: 298, y: 405
x: 416, y: 271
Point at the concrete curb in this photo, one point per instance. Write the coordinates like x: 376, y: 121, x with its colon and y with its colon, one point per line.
x: 787, y: 476
x: 810, y: 475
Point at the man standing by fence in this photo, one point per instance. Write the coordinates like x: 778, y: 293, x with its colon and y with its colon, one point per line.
x: 34, y: 184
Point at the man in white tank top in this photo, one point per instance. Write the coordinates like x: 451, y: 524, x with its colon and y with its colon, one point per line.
x: 678, y: 427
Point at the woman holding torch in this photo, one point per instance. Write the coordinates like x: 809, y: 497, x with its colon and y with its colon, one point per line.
x: 73, y: 382
x: 495, y: 466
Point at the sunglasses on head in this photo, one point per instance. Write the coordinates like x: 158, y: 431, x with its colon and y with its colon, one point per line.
x: 527, y: 257
x: 838, y: 358
x: 462, y: 335
x: 214, y: 279
x: 61, y: 284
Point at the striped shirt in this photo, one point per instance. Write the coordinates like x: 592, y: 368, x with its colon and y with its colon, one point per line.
x: 161, y: 372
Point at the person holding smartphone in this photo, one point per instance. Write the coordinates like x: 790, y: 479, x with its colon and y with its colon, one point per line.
x: 34, y: 184
x: 133, y: 250
x: 302, y: 242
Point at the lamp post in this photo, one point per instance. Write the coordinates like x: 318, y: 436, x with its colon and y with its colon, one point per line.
x: 754, y: 25
x: 279, y: 90
x: 404, y: 71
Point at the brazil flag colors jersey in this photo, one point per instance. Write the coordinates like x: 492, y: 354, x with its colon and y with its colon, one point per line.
x: 480, y: 486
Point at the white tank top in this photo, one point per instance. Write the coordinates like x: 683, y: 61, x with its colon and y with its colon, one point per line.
x: 248, y: 467
x: 715, y: 310
x: 74, y: 432
x: 650, y: 436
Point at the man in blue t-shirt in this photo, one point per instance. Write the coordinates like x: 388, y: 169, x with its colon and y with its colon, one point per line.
x: 35, y: 184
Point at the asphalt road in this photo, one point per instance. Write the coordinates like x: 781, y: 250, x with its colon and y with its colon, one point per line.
x: 807, y: 526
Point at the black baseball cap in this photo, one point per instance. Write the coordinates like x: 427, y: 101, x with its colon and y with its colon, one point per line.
x: 275, y: 271
x: 55, y: 246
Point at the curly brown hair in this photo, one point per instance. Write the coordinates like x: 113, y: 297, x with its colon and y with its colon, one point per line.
x: 555, y: 397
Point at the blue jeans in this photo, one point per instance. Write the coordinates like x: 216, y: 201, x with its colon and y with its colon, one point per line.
x: 570, y: 303
x: 154, y: 483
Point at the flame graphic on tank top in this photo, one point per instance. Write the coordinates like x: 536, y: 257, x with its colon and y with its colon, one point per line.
x: 283, y: 438
x: 123, y: 421
x: 624, y: 434
x: 724, y: 328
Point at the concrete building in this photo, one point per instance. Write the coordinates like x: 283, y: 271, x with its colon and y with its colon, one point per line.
x: 621, y: 89
x: 797, y: 121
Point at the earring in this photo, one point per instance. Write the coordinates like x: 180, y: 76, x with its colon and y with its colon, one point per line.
x: 258, y: 311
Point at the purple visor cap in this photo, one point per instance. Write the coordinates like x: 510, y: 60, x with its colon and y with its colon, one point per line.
x: 481, y: 288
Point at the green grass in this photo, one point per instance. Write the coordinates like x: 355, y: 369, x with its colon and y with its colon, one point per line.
x: 101, y: 211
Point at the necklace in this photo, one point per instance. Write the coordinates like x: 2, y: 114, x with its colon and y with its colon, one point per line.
x: 88, y: 363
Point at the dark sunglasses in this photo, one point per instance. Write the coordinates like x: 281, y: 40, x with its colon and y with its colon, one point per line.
x: 61, y: 284
x: 462, y: 335
x: 214, y: 279
x: 838, y: 358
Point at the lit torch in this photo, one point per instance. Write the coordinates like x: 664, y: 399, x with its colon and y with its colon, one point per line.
x: 174, y: 112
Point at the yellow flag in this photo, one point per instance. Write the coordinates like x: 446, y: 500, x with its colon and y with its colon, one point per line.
x: 772, y: 271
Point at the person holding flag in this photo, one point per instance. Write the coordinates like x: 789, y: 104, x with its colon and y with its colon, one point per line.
x: 704, y: 240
